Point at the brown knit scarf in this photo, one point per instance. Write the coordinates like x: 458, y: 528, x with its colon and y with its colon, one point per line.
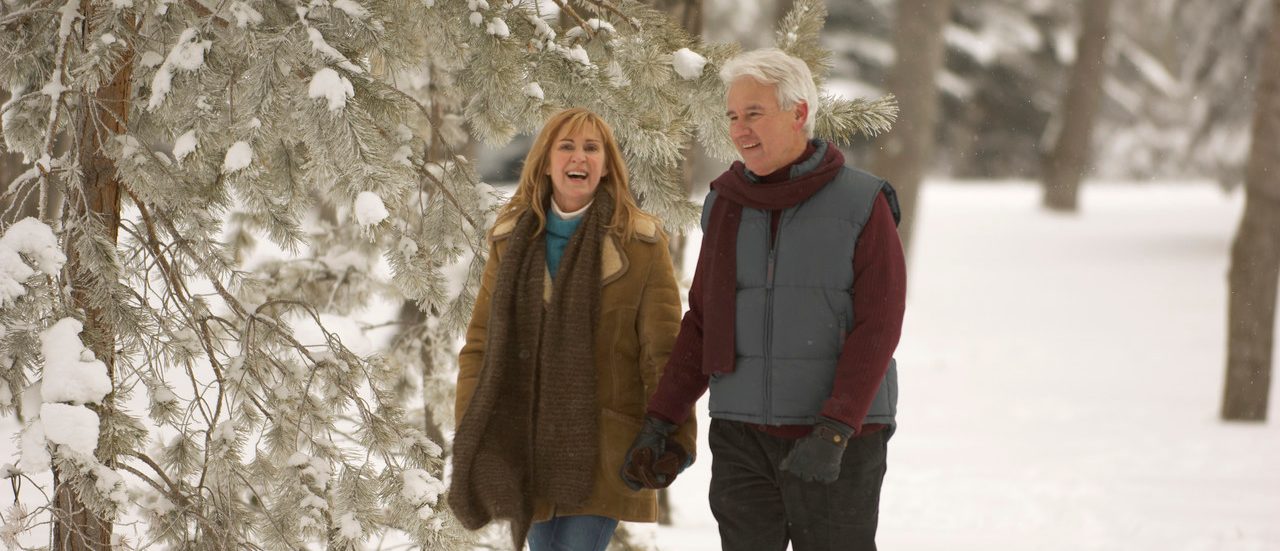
x: 529, y: 432
x: 719, y: 257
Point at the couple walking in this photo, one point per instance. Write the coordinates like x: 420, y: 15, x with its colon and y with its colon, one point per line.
x: 579, y: 375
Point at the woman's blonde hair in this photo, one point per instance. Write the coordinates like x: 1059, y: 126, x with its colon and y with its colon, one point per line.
x: 534, y: 189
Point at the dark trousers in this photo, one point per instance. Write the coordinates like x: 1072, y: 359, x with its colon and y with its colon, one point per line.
x: 761, y: 508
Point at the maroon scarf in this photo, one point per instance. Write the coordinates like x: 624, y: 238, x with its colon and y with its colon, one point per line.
x: 718, y: 260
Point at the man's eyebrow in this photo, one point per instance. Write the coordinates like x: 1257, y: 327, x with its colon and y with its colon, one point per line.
x: 754, y: 106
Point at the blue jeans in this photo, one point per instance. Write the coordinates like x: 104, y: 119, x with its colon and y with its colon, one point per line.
x: 573, y: 533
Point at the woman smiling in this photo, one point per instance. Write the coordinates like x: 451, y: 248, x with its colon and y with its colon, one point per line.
x: 574, y: 320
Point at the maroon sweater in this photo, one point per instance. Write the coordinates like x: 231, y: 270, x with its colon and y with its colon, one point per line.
x: 879, y: 300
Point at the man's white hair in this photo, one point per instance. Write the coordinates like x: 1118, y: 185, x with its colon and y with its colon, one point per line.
x: 789, y: 75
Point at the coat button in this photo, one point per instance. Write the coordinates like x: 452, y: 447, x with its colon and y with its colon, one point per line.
x: 524, y: 354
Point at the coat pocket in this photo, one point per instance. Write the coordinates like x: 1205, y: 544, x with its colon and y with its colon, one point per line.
x: 617, y: 432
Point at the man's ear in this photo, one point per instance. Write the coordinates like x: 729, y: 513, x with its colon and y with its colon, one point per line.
x: 802, y: 114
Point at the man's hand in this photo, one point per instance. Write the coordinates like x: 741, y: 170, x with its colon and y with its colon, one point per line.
x: 817, y: 457
x: 654, y: 459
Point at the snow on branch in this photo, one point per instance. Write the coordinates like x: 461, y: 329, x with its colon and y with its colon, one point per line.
x: 34, y: 239
x: 187, y: 55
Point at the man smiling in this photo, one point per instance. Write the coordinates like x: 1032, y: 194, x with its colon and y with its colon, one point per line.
x: 795, y: 311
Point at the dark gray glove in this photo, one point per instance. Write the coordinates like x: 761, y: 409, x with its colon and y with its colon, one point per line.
x: 817, y: 457
x: 654, y: 459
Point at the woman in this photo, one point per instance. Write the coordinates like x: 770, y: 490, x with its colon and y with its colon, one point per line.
x: 575, y: 317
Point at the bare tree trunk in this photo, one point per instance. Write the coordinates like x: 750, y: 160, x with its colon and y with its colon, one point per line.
x: 1066, y: 165
x: 105, y: 115
x: 1255, y: 256
x: 906, y: 151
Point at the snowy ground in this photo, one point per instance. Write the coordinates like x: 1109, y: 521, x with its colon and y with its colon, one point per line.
x: 1061, y: 378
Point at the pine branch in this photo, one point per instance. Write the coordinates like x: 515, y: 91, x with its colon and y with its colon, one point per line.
x: 566, y: 8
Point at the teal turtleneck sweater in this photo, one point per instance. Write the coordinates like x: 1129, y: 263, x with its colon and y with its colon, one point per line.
x: 559, y: 230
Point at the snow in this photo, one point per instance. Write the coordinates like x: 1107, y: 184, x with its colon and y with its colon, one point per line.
x: 602, y: 28
x: 31, y: 400
x: 122, y: 4
x: 476, y: 18
x: 187, y: 55
x: 352, y: 8
x: 129, y: 145
x: 107, y: 38
x: 319, y: 45
x: 576, y: 53
x: 349, y: 527
x: 420, y: 487
x: 34, y: 239
x: 477, y: 5
x: 111, y: 484
x: 184, y: 145
x: 540, y: 28
x: 239, y: 156
x: 315, y: 502
x: 75, y: 427
x: 369, y: 209
x: 403, y: 156
x: 151, y: 59
x: 163, y: 395
x: 224, y: 432
x: 534, y: 90
x: 688, y: 64
x: 34, y: 448
x: 497, y: 27
x: 71, y: 374
x: 1060, y: 382
x: 245, y: 15
x: 329, y: 85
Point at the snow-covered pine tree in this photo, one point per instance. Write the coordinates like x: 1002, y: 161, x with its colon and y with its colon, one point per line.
x: 190, y: 391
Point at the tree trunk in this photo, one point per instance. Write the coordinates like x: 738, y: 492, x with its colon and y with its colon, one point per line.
x: 906, y: 151
x: 1255, y: 256
x: 75, y: 527
x: 1067, y: 163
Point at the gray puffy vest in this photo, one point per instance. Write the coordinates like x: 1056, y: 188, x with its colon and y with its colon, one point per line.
x: 792, y: 324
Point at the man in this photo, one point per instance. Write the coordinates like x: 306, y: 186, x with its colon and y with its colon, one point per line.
x: 795, y: 311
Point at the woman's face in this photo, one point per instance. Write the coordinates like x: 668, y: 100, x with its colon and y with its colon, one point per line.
x: 577, y: 163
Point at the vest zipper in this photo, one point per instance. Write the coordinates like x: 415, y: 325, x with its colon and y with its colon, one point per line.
x: 768, y: 325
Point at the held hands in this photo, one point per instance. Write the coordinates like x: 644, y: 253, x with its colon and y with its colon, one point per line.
x: 817, y: 457
x: 654, y: 459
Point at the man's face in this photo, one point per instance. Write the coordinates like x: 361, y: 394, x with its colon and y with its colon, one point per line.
x: 766, y: 136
